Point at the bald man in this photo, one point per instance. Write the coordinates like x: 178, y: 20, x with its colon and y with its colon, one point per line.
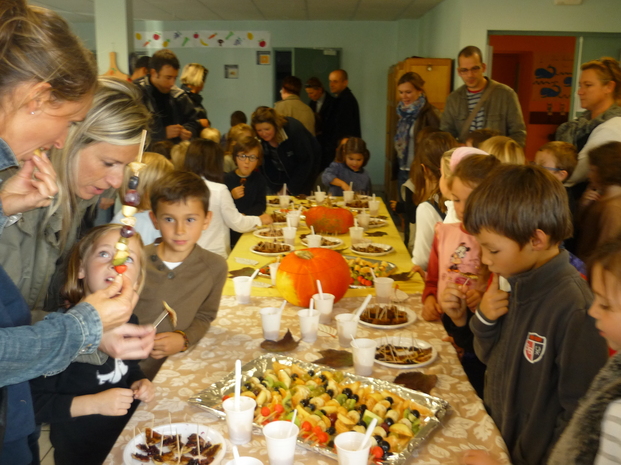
x: 344, y: 120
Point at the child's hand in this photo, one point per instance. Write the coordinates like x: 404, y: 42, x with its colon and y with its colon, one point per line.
x: 113, y: 402
x: 478, y: 457
x: 167, y: 344
x: 266, y: 218
x: 418, y: 269
x: 453, y: 303
x: 590, y: 195
x: 143, y: 390
x: 473, y: 299
x: 393, y: 205
x: 431, y: 309
x: 495, y: 303
x: 238, y: 192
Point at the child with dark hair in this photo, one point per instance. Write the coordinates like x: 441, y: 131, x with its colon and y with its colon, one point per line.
x: 348, y: 167
x: 186, y: 276
x: 541, y: 348
x: 478, y: 136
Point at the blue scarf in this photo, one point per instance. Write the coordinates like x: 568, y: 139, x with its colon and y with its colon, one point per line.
x: 408, y: 115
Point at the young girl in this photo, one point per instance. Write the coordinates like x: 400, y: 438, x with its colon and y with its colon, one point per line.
x: 246, y: 184
x: 351, y: 158
x: 156, y: 167
x: 592, y: 435
x: 86, y: 405
x: 505, y: 149
x: 205, y: 158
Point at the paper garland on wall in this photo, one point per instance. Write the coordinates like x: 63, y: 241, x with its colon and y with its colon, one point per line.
x: 201, y: 39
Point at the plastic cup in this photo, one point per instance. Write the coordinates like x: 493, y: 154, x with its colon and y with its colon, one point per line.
x: 242, y: 284
x: 293, y: 217
x: 309, y: 324
x: 347, y: 445
x: 324, y: 306
x: 347, y: 327
x: 364, y: 356
x: 320, y: 197
x: 270, y: 321
x: 374, y: 207
x: 245, y: 461
x: 348, y: 196
x: 281, y: 437
x: 289, y: 235
x: 273, y: 271
x: 239, y: 421
x: 313, y: 240
x: 363, y: 219
x: 355, y: 235
x: 285, y: 200
x: 383, y: 290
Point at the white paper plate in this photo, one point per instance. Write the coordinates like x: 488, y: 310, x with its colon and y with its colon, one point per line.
x: 185, y: 430
x: 411, y: 319
x: 258, y: 232
x: 380, y: 223
x: 406, y: 341
x: 272, y: 254
x: 337, y: 243
x: 387, y: 249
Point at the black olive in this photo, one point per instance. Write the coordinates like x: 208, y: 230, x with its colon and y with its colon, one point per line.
x: 260, y: 378
x: 248, y: 386
x: 330, y: 443
x: 324, y: 412
x: 348, y: 392
x: 330, y: 392
x: 390, y: 399
x: 311, y: 372
x: 305, y: 402
x: 416, y: 413
x: 323, y: 378
x: 389, y: 421
x: 294, y: 376
x: 256, y: 391
x: 378, y: 438
x: 363, y: 408
x: 384, y: 445
x: 362, y: 423
x: 312, y: 407
x: 355, y: 397
x: 331, y: 430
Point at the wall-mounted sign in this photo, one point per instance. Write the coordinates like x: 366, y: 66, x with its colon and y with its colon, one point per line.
x: 201, y: 39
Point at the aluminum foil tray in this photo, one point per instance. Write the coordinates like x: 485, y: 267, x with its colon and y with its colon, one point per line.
x: 211, y: 400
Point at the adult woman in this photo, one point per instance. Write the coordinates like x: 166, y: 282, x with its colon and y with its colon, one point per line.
x: 415, y: 113
x: 205, y: 158
x: 599, y: 91
x: 291, y: 155
x: 193, y: 80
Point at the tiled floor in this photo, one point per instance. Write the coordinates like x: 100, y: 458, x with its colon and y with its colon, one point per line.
x: 46, y: 452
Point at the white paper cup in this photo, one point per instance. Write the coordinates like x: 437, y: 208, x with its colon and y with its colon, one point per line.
x: 309, y: 324
x: 355, y: 235
x: 245, y: 461
x: 285, y: 200
x: 364, y: 356
x: 348, y: 196
x: 346, y: 327
x: 239, y: 421
x: 374, y: 207
x: 363, y: 219
x: 289, y: 235
x: 273, y: 271
x: 294, y: 218
x: 270, y: 321
x: 320, y: 197
x: 281, y: 437
x: 383, y: 289
x: 324, y: 306
x: 347, y: 445
x: 313, y: 240
x: 242, y: 284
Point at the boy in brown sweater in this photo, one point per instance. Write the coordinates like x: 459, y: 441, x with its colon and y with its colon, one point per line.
x: 189, y: 278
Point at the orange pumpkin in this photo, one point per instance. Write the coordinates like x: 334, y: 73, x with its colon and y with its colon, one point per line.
x: 333, y: 220
x: 297, y: 275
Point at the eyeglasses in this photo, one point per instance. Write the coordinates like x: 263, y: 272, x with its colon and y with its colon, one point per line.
x: 554, y: 170
x: 474, y: 69
x: 243, y: 156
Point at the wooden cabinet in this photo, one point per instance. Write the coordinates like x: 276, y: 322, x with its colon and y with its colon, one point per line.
x: 437, y: 74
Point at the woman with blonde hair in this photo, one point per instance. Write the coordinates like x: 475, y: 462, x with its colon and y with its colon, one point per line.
x: 193, y: 79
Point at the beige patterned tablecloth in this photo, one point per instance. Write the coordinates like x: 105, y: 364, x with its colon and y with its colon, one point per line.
x: 236, y: 334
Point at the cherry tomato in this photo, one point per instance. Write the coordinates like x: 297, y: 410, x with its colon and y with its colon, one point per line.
x: 306, y: 426
x: 225, y: 397
x: 279, y: 408
x: 265, y: 411
x: 377, y: 452
x: 317, y: 430
x: 323, y: 437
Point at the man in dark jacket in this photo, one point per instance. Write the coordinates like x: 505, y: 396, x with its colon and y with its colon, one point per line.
x: 322, y: 104
x: 344, y: 120
x: 174, y: 116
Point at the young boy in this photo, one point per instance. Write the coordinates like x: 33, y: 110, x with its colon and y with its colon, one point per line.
x: 541, y: 348
x: 187, y: 277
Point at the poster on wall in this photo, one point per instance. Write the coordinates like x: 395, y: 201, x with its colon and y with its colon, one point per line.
x: 264, y: 58
x: 231, y: 71
x: 201, y: 39
x: 552, y: 79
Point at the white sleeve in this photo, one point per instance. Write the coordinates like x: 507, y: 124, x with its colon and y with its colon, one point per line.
x: 426, y: 219
x: 231, y: 216
x: 609, y: 452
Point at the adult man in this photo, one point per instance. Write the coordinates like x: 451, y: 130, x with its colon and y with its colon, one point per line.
x: 322, y: 104
x: 291, y: 104
x: 174, y: 116
x: 345, y: 119
x: 481, y: 102
x: 141, y: 68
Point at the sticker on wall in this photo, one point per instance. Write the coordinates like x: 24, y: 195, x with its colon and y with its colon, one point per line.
x: 231, y: 71
x: 552, y: 76
x: 202, y: 39
x: 264, y: 58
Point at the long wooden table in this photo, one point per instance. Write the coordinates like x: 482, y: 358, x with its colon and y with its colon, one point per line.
x: 236, y: 334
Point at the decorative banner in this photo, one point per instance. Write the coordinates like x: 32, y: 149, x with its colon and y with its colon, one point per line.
x: 201, y: 39
x: 552, y: 77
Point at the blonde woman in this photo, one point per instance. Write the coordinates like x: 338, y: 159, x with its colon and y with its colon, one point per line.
x: 193, y: 79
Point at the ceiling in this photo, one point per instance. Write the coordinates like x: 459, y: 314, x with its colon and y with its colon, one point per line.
x: 253, y: 10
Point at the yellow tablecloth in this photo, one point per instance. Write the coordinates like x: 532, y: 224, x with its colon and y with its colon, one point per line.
x: 400, y: 257
x: 236, y: 334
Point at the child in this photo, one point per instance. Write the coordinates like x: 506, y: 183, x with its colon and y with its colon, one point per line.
x: 505, y: 149
x: 214, y: 135
x: 156, y: 167
x: 348, y: 167
x: 87, y: 405
x: 478, y: 136
x: 541, y: 348
x: 599, y: 213
x: 204, y: 158
x: 177, y: 154
x: 246, y: 184
x: 187, y: 277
